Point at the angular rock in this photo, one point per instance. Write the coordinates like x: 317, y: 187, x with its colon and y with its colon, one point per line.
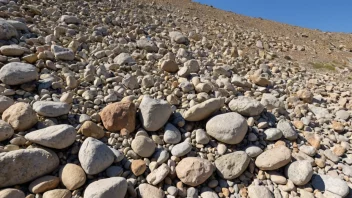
x: 270, y: 102
x: 57, y: 136
x: 95, y: 156
x: 232, y: 165
x: 105, y: 188
x: 178, y: 37
x: 51, y: 108
x: 62, y: 53
x: 119, y: 115
x: 319, y: 112
x: 158, y: 175
x: 229, y: 128
x: 90, y: 129
x: 16, y: 73
x: 21, y: 166
x: 203, y: 110
x: 154, y: 113
x: 246, y: 106
x: 287, y: 129
x: 194, y: 171
x: 20, y: 116
x: 138, y: 167
x: 124, y: 59
x: 143, y: 146
x: 274, y: 158
x: 169, y: 66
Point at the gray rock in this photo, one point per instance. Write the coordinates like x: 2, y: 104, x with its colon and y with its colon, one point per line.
x: 105, y: 188
x: 232, y: 165
x: 154, y: 113
x: 24, y: 165
x: 192, y: 192
x: 124, y: 59
x: 253, y: 151
x: 18, y: 25
x: 331, y: 156
x: 270, y: 102
x: 95, y: 156
x: 178, y: 37
x: 273, y: 134
x: 118, y: 155
x: 229, y: 128
x: 181, y: 149
x: 194, y: 171
x: 274, y: 158
x: 203, y: 110
x: 330, y: 184
x: 246, y: 106
x: 62, y: 53
x: 147, y: 44
x: 7, y: 31
x: 5, y: 102
x: 6, y: 131
x: 319, y: 112
x: 300, y: 172
x: 51, y: 108
x: 208, y: 193
x: 114, y: 171
x: 309, y: 150
x: 192, y: 65
x: 259, y: 192
x: 287, y: 129
x: 16, y: 73
x: 143, y: 146
x: 70, y: 19
x: 171, y: 135
x: 342, y: 114
x: 147, y: 191
x: 158, y: 174
x: 57, y: 136
x: 201, y: 137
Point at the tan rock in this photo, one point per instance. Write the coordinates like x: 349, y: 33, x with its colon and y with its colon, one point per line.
x: 57, y: 193
x: 119, y: 115
x: 305, y: 95
x: 11, y: 193
x: 338, y: 150
x: 169, y: 66
x: 138, y: 167
x: 313, y: 139
x: 90, y: 129
x: 72, y: 176
x: 337, y: 126
x: 260, y: 80
x: 20, y: 116
x: 44, y: 184
x: 194, y: 171
x: 203, y: 110
x: 298, y: 124
x: 274, y: 158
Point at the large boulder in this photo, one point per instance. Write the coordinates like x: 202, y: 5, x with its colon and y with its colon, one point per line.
x: 21, y: 166
x: 203, y: 110
x: 57, y: 136
x: 16, y: 73
x: 119, y: 115
x: 229, y: 128
x: 154, y: 113
x: 20, y: 116
x: 194, y: 171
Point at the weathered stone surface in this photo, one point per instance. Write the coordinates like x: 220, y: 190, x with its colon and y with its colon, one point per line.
x: 5, y: 102
x: 62, y: 193
x: 57, y: 136
x: 95, y: 156
x: 194, y: 171
x: 229, y: 128
x: 147, y: 190
x: 154, y: 113
x: 300, y: 172
x: 20, y: 116
x: 7, y: 31
x: 203, y: 110
x: 287, y: 129
x: 274, y: 158
x: 138, y: 167
x: 143, y: 146
x: 232, y: 165
x: 11, y: 193
x: 21, y: 166
x: 330, y: 184
x: 147, y: 45
x: 259, y: 192
x: 18, y: 73
x: 119, y: 115
x: 6, y: 131
x: 51, y: 108
x: 158, y: 175
x: 246, y: 106
x: 105, y: 188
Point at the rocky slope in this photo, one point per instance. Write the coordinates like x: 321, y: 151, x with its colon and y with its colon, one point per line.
x: 115, y: 99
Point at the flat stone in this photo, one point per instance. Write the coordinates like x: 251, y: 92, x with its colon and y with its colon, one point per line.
x: 68, y: 19
x: 229, y: 128
x: 232, y: 165
x: 21, y: 166
x: 203, y: 110
x: 43, y: 184
x: 12, y: 50
x: 124, y: 58
x: 319, y: 112
x: 95, y: 156
x: 194, y: 171
x: 274, y: 158
x: 158, y: 175
x: 16, y: 73
x: 51, y: 108
x: 57, y: 136
x: 246, y: 106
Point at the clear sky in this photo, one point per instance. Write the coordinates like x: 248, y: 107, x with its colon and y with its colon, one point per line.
x: 325, y: 15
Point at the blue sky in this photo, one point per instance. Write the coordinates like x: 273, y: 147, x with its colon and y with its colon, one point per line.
x: 325, y: 15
